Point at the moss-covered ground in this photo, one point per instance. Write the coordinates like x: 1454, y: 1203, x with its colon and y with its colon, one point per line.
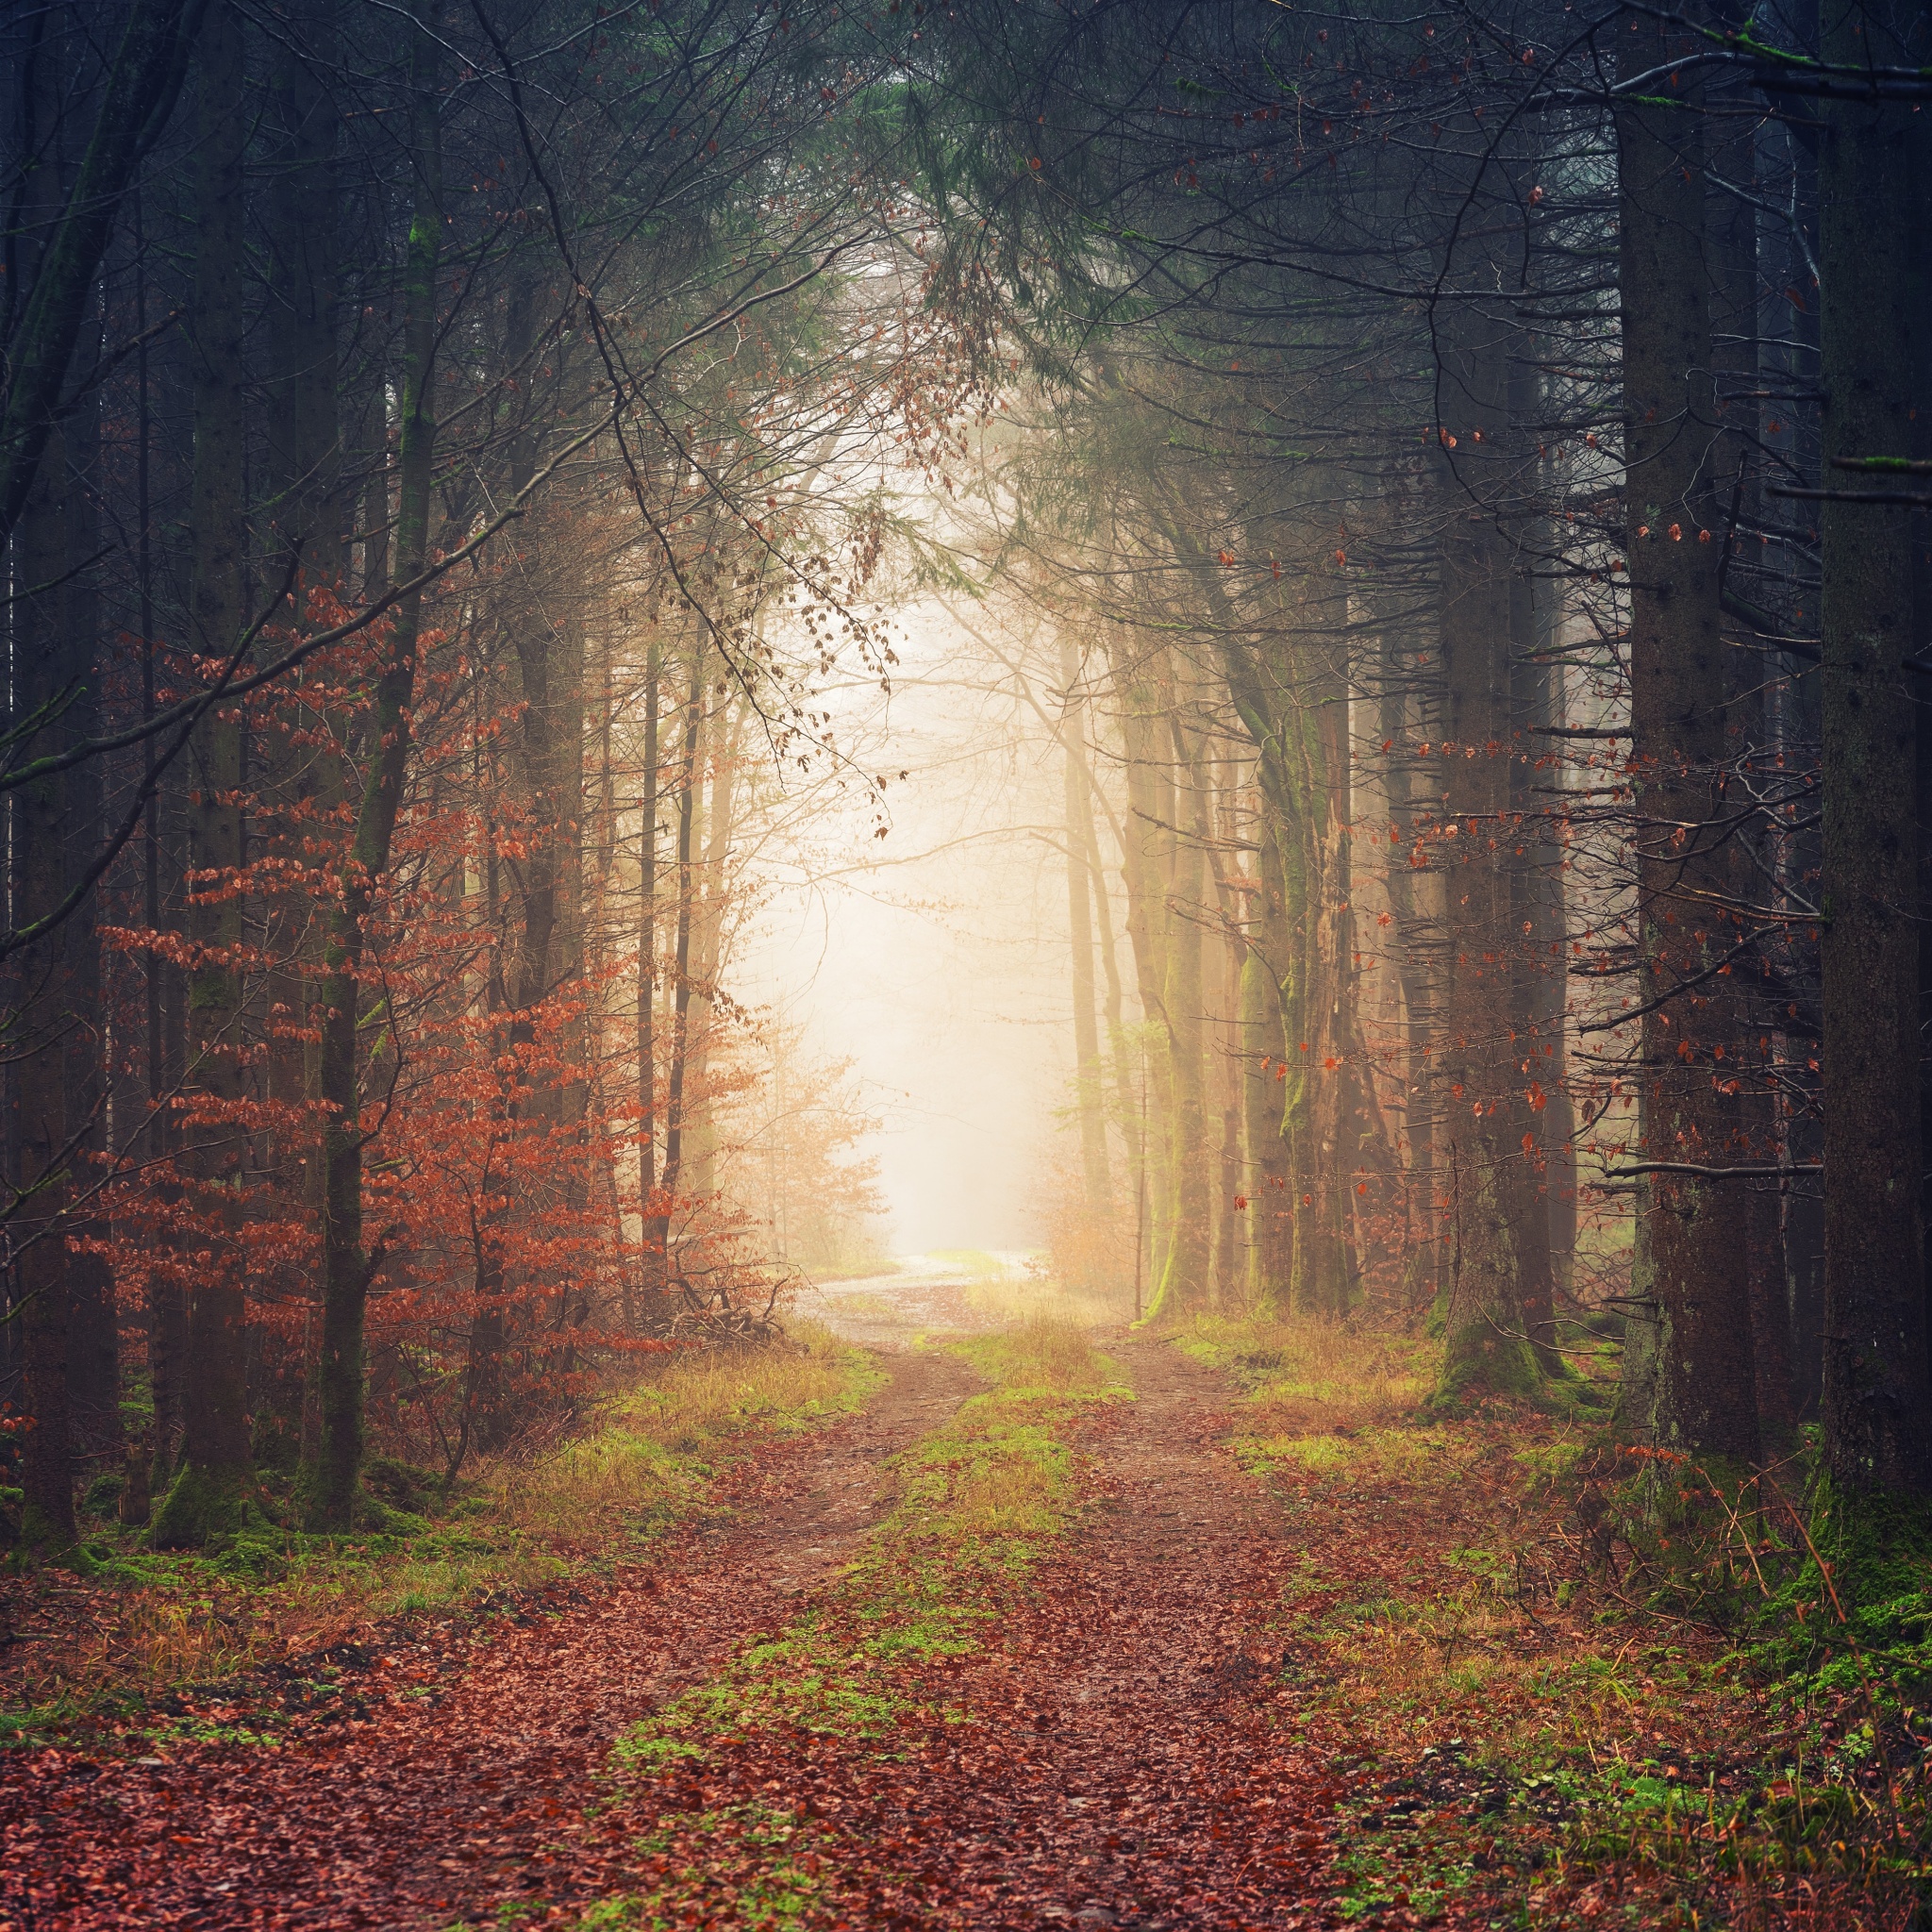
x: 1574, y: 1685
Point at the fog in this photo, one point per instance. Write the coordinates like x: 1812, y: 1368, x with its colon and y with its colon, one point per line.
x: 935, y: 959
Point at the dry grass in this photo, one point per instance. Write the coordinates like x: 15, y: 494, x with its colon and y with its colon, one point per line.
x: 1005, y: 1291
x: 1043, y: 1354
x: 1305, y: 1377
x: 645, y: 1455
x: 1435, y: 1551
x: 148, y: 1623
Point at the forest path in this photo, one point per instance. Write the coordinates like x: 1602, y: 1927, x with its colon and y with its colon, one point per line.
x: 1112, y: 1762
x: 461, y: 1755
x: 1147, y: 1786
x: 1108, y: 1754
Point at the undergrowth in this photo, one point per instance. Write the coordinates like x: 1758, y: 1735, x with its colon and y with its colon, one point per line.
x: 1575, y: 1675
x: 1026, y: 1290
x: 141, y: 1622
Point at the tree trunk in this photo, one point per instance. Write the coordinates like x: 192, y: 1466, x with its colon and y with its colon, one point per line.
x: 306, y: 778
x: 1088, y: 1071
x: 39, y: 1129
x: 1705, y: 1393
x: 93, y: 1360
x: 1262, y: 972
x: 211, y: 1493
x: 1184, y: 1283
x: 1411, y: 713
x: 167, y: 1311
x: 135, y: 108
x: 1488, y: 1349
x: 680, y: 1018
x: 1147, y: 929
x: 652, y: 1271
x: 1531, y: 916
x: 707, y: 943
x: 1877, y: 1406
x: 345, y: 1266
x: 1120, y: 1051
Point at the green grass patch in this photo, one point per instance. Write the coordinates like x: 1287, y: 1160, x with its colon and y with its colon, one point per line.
x: 700, y: 1857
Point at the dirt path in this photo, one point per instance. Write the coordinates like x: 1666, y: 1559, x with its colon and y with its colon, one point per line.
x: 1119, y: 1765
x: 460, y: 1772
x: 1148, y: 1788
x: 1109, y: 1756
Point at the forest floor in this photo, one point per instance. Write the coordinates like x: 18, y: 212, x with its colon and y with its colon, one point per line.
x: 1058, y: 1630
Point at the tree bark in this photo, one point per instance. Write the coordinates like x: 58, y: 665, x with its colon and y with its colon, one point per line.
x: 1088, y: 1071
x: 39, y: 1130
x: 652, y: 1269
x: 1488, y: 1349
x: 143, y: 85
x: 680, y: 1015
x: 1147, y: 940
x: 1877, y: 1404
x: 93, y: 1362
x: 345, y: 1266
x: 214, y: 1481
x: 1704, y: 1395
x: 1184, y: 1283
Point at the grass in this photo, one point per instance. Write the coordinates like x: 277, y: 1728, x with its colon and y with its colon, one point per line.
x: 785, y: 1891
x: 146, y: 1621
x: 857, y: 1268
x: 1026, y: 1291
x: 1303, y: 1375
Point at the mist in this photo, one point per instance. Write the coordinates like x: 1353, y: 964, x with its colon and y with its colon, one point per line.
x: 935, y: 959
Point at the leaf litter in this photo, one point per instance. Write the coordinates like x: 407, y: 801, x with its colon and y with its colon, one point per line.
x: 1069, y: 1659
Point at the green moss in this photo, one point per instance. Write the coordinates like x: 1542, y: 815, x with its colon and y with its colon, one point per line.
x: 1480, y: 1360
x: 275, y: 1442
x: 42, y: 1539
x: 784, y: 1891
x: 1862, y: 1622
x: 101, y: 1495
x: 809, y: 1679
x: 205, y: 1507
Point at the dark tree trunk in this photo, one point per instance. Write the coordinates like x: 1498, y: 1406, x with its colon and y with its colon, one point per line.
x: 94, y: 1356
x: 1877, y: 1404
x: 1480, y: 1152
x: 41, y: 1157
x: 1703, y: 1390
x: 345, y: 1265
x: 215, y: 1447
